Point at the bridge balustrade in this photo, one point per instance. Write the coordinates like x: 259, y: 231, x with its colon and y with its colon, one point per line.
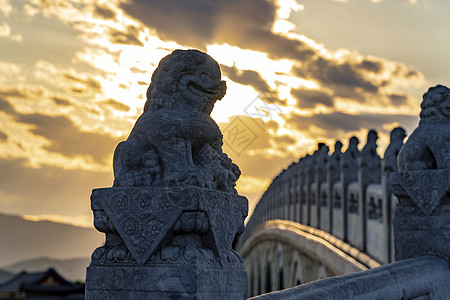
x: 346, y: 194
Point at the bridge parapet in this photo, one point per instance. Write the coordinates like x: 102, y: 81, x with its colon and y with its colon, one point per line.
x: 422, y: 216
x: 331, y: 192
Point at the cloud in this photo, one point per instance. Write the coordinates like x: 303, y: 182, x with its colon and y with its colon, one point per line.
x: 3, y: 136
x: 115, y: 105
x: 246, y: 77
x: 198, y: 23
x: 128, y: 37
x: 253, y: 79
x: 311, y: 98
x: 284, y: 139
x: 6, y: 107
x: 104, y: 12
x: 91, y: 40
x: 69, y: 140
x: 12, y: 92
x: 398, y: 99
x: 341, y: 77
x: 89, y: 83
x: 5, y: 7
x: 333, y: 124
x: 61, y: 101
x: 370, y: 65
x: 47, y: 190
x: 5, y: 30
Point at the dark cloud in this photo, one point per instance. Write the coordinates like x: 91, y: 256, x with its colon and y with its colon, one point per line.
x: 104, y: 12
x: 12, y: 92
x: 68, y: 139
x: 61, y: 101
x: 343, y: 78
x: 116, y: 105
x: 311, y: 98
x: 129, y: 37
x: 398, y: 99
x: 272, y: 125
x: 335, y: 122
x: 254, y: 79
x: 246, y: 77
x: 6, y: 107
x: 196, y: 23
x: 284, y: 139
x: 3, y: 136
x: 370, y: 65
x: 48, y: 189
x: 77, y: 91
x: 89, y: 83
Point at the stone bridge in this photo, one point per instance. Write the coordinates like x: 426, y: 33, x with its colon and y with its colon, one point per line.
x: 325, y: 215
x: 332, y: 214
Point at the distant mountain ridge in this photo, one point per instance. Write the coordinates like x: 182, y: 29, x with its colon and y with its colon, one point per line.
x: 5, y: 276
x: 70, y: 269
x: 21, y: 240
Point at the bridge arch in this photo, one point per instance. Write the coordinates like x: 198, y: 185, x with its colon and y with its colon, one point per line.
x: 292, y: 254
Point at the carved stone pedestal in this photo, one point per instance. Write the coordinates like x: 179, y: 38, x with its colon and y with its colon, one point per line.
x: 194, y: 279
x: 167, y: 243
x: 421, y: 222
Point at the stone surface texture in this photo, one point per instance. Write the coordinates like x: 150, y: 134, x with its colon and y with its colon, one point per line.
x: 423, y: 184
x: 173, y: 212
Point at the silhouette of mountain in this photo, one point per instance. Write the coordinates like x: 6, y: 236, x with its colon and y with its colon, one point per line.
x: 70, y: 269
x: 21, y: 239
x: 5, y: 276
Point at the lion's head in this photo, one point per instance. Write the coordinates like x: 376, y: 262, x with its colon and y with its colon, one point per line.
x: 435, y: 105
x: 188, y: 76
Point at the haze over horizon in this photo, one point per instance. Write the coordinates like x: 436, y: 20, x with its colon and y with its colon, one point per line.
x: 74, y: 73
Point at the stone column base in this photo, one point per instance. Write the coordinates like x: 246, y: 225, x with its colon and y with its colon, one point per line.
x: 195, y: 281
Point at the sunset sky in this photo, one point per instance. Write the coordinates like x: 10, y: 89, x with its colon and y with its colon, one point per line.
x: 74, y: 73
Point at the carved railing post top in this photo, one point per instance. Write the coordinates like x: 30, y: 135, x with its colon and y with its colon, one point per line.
x: 428, y: 147
x: 435, y: 105
x: 398, y: 133
x: 173, y: 209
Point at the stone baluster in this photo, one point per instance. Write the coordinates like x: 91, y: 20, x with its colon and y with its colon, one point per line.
x: 349, y: 174
x: 305, y: 189
x: 333, y: 178
x: 388, y: 166
x: 298, y: 192
x: 320, y: 173
x: 293, y: 193
x: 369, y: 172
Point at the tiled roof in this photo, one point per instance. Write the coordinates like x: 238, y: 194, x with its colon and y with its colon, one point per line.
x: 36, y: 282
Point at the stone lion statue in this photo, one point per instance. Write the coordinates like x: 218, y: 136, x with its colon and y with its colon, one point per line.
x: 428, y: 147
x: 175, y: 141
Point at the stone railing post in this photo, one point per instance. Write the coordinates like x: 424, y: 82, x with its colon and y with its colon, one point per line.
x: 333, y: 177
x: 369, y: 171
x: 349, y: 174
x: 422, y: 186
x: 320, y: 173
x: 388, y: 166
x: 173, y: 212
x: 303, y: 189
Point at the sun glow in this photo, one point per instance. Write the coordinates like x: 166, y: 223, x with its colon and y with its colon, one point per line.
x: 81, y: 221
